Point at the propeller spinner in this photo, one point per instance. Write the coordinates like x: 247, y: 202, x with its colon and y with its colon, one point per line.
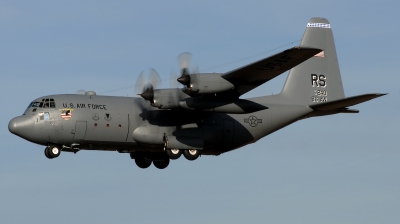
x: 185, y: 78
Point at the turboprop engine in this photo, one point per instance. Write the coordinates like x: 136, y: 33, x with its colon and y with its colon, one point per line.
x: 204, y: 83
x: 164, y: 98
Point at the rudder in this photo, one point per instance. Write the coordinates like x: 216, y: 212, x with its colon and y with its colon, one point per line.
x: 318, y: 79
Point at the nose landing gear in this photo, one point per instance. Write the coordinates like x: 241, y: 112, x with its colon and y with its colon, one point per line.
x: 52, y: 151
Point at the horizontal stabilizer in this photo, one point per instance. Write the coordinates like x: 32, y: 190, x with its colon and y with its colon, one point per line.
x: 346, y: 102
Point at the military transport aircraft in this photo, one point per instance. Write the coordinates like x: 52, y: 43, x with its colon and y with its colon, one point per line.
x: 205, y: 117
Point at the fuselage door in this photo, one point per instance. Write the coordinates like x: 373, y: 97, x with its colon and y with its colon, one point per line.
x: 80, y: 130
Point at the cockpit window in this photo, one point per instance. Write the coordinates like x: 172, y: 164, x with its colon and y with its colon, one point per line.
x: 44, y: 103
x: 52, y: 103
x: 35, y: 104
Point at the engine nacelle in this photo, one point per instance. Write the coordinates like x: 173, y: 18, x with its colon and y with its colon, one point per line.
x: 206, y: 83
x: 148, y: 135
x: 167, y: 98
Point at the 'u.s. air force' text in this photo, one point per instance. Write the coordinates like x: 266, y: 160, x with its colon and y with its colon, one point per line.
x: 86, y: 106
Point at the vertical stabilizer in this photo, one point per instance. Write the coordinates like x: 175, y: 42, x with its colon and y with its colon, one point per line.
x: 318, y: 79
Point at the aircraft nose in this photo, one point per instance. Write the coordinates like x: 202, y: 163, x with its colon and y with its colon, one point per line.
x: 22, y: 126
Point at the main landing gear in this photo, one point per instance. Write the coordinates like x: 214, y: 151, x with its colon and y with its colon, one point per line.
x: 191, y: 154
x: 173, y: 153
x: 144, y: 159
x: 161, y: 159
x: 52, y: 151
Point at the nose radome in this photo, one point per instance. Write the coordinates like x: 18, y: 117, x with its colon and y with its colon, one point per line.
x: 22, y: 126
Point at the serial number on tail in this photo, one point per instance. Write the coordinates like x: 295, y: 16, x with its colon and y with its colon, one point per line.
x: 316, y: 99
x: 320, y: 92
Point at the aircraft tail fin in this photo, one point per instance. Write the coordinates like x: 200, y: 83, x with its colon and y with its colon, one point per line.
x: 318, y: 79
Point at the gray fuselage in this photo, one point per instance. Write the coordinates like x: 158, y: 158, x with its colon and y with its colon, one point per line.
x: 108, y: 123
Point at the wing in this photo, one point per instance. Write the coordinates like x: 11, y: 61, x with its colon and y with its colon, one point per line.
x: 250, y: 76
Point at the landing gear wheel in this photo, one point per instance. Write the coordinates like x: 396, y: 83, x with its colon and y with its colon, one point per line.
x: 174, y: 153
x: 142, y: 162
x: 191, y: 154
x: 161, y: 164
x: 52, y: 151
x: 46, y: 152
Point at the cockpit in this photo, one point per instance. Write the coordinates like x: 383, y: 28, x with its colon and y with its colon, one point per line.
x: 43, y: 103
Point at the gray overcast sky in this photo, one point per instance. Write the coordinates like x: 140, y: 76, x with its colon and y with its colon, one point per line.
x: 335, y: 169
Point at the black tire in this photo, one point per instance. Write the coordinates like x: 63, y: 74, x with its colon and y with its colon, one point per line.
x: 142, y: 162
x: 191, y: 154
x: 161, y: 164
x: 174, y: 153
x: 132, y: 155
x: 46, y: 152
x: 53, y: 151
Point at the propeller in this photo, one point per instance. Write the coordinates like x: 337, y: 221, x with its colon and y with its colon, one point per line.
x: 184, y: 60
x: 172, y: 82
x: 147, y: 84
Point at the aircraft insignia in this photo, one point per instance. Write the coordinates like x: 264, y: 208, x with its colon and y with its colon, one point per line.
x: 253, y: 121
x: 95, y: 116
x: 108, y: 117
x: 66, y: 113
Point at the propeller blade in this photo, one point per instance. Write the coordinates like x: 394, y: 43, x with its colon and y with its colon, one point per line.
x: 195, y: 69
x: 154, y: 78
x: 140, y: 83
x: 142, y: 106
x: 184, y: 60
x: 173, y: 77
